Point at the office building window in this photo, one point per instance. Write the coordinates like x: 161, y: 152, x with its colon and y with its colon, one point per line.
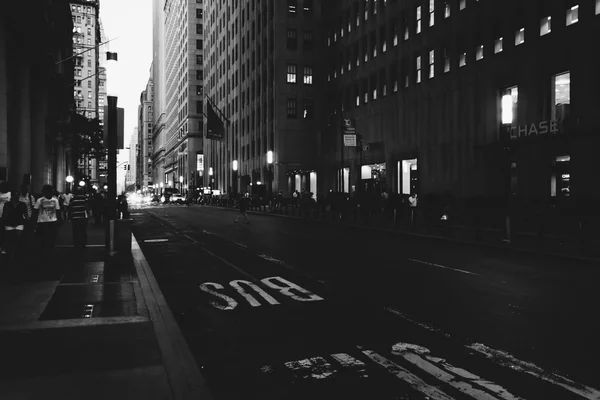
x: 89, y: 94
x: 462, y: 61
x: 561, y: 96
x: 199, y: 90
x: 462, y: 4
x: 89, y: 104
x: 291, y: 73
x: 308, y: 75
x: 292, y: 108
x: 292, y: 38
x: 418, y: 69
x: 199, y: 29
x: 545, y: 27
x: 479, y: 52
x: 199, y: 13
x: 307, y: 41
x: 519, y: 36
x: 199, y: 75
x: 572, y: 15
x: 308, y: 109
x: 446, y: 10
x: 431, y: 12
x: 89, y: 84
x: 199, y: 44
x: 308, y: 6
x: 418, y: 28
x: 597, y: 7
x: 446, y: 61
x: 498, y: 45
x: 199, y: 59
x: 431, y: 64
x: 510, y: 100
x: 292, y: 5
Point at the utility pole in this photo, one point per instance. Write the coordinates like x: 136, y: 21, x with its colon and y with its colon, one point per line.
x: 111, y: 201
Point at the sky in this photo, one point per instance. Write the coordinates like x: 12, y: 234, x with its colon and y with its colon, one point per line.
x: 129, y: 24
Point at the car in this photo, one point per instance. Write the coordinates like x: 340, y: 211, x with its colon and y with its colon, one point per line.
x: 177, y: 198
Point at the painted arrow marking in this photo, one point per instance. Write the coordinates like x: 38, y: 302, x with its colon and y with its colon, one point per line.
x: 507, y: 360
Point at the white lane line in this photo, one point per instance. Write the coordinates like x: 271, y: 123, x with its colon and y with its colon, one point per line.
x: 422, y: 325
x: 507, y: 360
x: 155, y: 240
x: 413, y: 381
x: 191, y: 239
x: 241, y: 245
x: 443, y: 266
x: 412, y: 353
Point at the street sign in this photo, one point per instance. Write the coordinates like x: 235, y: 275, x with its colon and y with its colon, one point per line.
x: 350, y: 140
x: 349, y: 126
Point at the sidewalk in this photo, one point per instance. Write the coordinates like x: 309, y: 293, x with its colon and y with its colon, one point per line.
x: 82, y: 324
x: 551, y: 245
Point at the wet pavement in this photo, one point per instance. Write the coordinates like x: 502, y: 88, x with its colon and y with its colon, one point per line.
x: 285, y: 308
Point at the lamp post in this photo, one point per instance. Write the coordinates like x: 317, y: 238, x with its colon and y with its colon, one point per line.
x: 234, y: 166
x: 69, y: 182
x: 270, y: 169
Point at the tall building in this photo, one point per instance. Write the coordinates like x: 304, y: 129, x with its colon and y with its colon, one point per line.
x: 179, y: 78
x: 89, y: 76
x: 465, y: 99
x: 144, y: 131
x: 131, y: 175
x: 36, y: 93
x: 158, y: 79
x: 263, y: 70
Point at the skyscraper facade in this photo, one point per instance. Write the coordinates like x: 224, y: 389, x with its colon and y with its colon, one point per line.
x: 145, y: 123
x: 263, y: 71
x: 180, y: 95
x: 158, y: 79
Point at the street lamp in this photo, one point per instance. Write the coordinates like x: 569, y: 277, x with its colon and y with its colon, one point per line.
x: 210, y: 180
x: 181, y: 184
x: 82, y: 183
x: 234, y: 166
x: 270, y: 170
x: 69, y: 181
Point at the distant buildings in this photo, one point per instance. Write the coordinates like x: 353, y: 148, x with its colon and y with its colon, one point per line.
x: 131, y: 177
x: 177, y: 72
x: 36, y: 93
x: 144, y: 142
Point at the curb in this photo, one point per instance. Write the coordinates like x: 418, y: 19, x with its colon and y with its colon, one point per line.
x: 185, y: 380
x: 433, y: 237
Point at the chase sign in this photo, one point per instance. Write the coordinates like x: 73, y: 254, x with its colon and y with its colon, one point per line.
x: 541, y: 128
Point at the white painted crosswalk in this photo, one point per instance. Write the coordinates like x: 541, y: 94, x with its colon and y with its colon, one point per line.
x: 414, y: 366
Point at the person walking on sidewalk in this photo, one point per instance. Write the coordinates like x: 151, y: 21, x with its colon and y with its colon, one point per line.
x: 4, y: 198
x: 79, y: 218
x: 66, y: 202
x: 14, y: 217
x: 27, y: 198
x: 46, y: 210
x: 243, y: 206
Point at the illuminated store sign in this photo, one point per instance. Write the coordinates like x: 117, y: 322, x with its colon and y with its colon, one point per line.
x: 540, y: 128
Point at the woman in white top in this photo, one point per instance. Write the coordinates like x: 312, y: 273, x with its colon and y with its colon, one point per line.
x: 46, y: 209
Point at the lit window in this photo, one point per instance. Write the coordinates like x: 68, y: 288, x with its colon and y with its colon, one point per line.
x: 431, y: 64
x: 395, y: 37
x: 291, y: 73
x: 561, y: 96
x: 597, y: 7
x: 431, y: 12
x: 349, y: 65
x: 308, y: 75
x: 545, y: 27
x: 349, y: 27
x: 479, y: 52
x: 510, y: 99
x: 418, y: 30
x: 406, y: 81
x: 463, y: 4
x: 447, y: 10
x: 406, y: 34
x: 292, y: 6
x: 418, y: 69
x: 446, y: 61
x: 462, y: 60
x: 519, y: 36
x: 572, y: 15
x: 375, y: 94
x: 498, y: 45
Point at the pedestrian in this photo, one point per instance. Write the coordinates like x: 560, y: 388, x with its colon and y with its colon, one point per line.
x: 4, y: 198
x: 243, y: 206
x: 66, y: 201
x: 29, y: 200
x: 122, y: 207
x: 46, y: 210
x: 60, y: 203
x: 79, y: 218
x: 14, y: 216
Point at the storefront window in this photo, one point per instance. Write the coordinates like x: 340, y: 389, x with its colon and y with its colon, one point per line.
x: 510, y: 99
x: 407, y: 176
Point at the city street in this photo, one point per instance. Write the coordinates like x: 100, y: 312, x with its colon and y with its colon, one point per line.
x: 287, y: 308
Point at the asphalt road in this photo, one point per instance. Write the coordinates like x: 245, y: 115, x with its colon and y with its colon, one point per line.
x: 285, y: 308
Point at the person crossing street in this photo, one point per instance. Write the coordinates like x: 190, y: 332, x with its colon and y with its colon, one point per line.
x: 243, y: 206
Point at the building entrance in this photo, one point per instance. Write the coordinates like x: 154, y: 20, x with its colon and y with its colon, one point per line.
x: 408, y: 177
